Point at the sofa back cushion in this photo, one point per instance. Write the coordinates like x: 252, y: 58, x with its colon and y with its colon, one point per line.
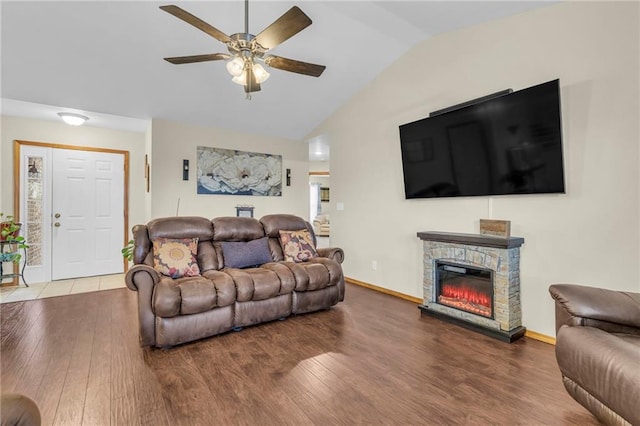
x: 274, y: 223
x: 234, y: 229
x: 142, y: 252
x: 186, y: 227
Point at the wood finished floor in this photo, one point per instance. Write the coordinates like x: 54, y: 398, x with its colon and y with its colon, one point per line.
x: 369, y: 360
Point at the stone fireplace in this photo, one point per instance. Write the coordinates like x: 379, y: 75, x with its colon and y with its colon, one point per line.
x: 474, y: 281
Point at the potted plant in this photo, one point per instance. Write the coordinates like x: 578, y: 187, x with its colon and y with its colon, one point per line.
x: 9, y: 234
x: 8, y: 227
x: 10, y: 257
x: 127, y: 251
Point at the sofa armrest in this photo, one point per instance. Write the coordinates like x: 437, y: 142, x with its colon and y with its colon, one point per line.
x: 133, y: 283
x: 596, y: 307
x: 143, y: 279
x: 334, y: 253
x: 600, y: 371
x: 17, y: 409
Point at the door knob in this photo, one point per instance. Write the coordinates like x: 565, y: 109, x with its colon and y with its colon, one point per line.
x: 57, y: 224
x: 57, y: 215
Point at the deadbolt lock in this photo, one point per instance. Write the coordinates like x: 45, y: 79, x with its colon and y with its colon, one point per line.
x: 57, y: 224
x: 57, y: 215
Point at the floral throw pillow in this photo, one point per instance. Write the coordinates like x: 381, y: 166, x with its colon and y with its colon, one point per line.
x: 176, y: 258
x: 297, y: 245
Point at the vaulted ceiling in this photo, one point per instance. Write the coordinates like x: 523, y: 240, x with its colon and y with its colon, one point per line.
x: 106, y: 57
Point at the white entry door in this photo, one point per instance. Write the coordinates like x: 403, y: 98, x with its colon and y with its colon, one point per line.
x: 87, y: 213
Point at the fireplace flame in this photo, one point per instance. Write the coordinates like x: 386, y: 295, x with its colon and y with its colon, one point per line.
x: 466, y: 293
x: 465, y: 298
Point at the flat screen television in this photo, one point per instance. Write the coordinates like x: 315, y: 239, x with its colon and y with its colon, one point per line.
x: 509, y: 144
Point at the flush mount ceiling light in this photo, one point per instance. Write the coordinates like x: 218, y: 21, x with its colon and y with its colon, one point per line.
x: 73, y: 119
x: 246, y: 50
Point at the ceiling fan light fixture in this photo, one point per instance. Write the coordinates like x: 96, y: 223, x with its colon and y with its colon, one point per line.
x: 245, y: 48
x: 261, y: 74
x: 240, y: 79
x: 73, y: 119
x: 235, y: 67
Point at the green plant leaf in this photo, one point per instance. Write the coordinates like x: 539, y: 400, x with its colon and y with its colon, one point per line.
x: 127, y: 251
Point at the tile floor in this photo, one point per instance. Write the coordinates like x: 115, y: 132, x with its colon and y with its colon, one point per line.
x: 60, y: 288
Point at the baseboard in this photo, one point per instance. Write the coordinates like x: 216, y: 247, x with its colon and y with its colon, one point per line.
x: 541, y: 337
x: 530, y: 334
x: 383, y: 290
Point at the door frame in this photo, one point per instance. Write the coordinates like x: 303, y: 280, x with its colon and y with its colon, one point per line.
x: 17, y: 144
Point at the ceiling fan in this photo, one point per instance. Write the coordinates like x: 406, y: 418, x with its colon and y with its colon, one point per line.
x: 246, y: 51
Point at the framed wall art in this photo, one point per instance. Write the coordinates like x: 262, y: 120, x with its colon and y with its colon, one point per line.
x: 231, y: 172
x: 324, y: 194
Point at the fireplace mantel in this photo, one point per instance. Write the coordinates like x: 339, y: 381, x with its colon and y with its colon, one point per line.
x: 472, y: 239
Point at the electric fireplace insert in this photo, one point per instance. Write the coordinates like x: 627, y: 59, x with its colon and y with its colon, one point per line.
x: 465, y: 288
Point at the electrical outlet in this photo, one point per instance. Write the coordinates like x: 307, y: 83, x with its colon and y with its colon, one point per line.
x: 374, y: 265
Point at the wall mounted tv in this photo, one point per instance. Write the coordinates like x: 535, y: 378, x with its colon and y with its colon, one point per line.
x: 507, y: 144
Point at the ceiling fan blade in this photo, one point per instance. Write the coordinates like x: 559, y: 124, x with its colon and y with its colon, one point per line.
x: 285, y: 27
x: 252, y: 84
x: 292, y: 65
x: 197, y: 58
x: 196, y: 22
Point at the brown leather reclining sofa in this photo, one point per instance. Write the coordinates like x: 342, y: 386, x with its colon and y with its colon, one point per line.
x: 598, y: 350
x: 221, y: 298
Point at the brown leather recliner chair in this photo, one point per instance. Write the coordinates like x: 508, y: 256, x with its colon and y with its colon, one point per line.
x: 598, y: 350
x: 18, y: 410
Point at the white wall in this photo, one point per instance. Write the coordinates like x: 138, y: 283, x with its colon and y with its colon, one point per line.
x: 319, y: 166
x: 27, y: 129
x: 589, y: 236
x: 172, y: 142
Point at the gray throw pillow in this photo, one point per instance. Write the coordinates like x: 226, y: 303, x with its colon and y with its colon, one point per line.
x: 247, y: 254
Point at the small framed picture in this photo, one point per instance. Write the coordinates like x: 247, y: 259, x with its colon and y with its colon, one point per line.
x: 244, y: 211
x: 324, y: 195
